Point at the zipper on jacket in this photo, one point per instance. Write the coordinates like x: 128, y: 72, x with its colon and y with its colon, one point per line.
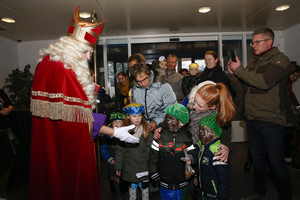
x: 146, y: 110
x: 214, y: 186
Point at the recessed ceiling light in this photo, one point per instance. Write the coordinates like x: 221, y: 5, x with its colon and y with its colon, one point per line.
x: 282, y: 7
x: 204, y: 10
x: 8, y: 20
x: 85, y: 15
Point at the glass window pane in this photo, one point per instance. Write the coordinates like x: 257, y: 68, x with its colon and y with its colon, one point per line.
x: 231, y: 43
x: 117, y: 56
x: 99, y: 66
x: 201, y: 63
x: 249, y: 48
x: 185, y: 63
x: 194, y: 50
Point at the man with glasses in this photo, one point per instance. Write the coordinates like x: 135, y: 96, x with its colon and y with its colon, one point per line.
x: 265, y: 79
x: 174, y: 78
x: 152, y: 91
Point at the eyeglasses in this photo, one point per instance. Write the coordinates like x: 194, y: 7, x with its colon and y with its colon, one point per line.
x: 142, y: 81
x: 257, y: 42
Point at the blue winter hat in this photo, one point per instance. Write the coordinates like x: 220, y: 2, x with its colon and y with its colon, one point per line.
x: 134, y: 109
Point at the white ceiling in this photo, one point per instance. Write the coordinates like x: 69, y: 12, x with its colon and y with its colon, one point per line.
x: 49, y: 19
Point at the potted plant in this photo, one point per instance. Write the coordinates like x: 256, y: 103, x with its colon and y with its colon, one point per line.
x: 19, y: 85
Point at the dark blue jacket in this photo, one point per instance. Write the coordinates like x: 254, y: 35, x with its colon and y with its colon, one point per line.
x: 214, y: 176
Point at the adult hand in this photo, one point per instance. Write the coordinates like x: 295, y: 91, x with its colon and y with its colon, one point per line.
x: 152, y: 126
x: 157, y: 133
x: 232, y: 66
x: 123, y: 135
x: 223, y: 153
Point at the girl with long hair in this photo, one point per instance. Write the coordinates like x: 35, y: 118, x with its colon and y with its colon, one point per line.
x: 132, y: 159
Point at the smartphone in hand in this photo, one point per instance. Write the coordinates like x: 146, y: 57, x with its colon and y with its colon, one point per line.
x: 233, y: 56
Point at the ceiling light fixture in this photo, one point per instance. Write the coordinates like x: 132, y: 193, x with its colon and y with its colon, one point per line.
x: 8, y: 20
x: 85, y: 15
x: 282, y: 7
x: 204, y: 10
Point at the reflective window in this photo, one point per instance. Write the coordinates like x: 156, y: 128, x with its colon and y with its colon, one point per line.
x: 184, y: 51
x: 117, y: 56
x: 231, y: 43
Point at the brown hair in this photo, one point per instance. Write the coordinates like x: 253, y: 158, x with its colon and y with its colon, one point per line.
x: 215, y: 55
x: 122, y: 74
x: 138, y: 57
x: 172, y: 56
x: 144, y: 124
x: 219, y: 95
x: 138, y: 69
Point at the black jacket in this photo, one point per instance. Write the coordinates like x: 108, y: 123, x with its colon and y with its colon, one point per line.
x: 216, y: 75
x: 165, y: 157
x: 189, y: 81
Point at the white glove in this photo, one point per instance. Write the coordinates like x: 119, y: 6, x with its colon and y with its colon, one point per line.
x: 123, y: 135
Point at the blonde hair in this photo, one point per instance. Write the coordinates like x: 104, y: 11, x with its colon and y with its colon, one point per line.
x: 70, y: 53
x: 144, y: 124
x: 220, y: 96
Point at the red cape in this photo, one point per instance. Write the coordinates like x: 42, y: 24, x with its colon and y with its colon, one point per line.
x: 63, y: 160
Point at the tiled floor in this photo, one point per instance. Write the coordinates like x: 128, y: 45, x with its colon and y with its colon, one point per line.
x: 241, y: 184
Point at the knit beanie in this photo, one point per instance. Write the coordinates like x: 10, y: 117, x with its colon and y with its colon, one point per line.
x: 134, y: 109
x: 178, y: 111
x: 211, y: 123
x: 194, y: 65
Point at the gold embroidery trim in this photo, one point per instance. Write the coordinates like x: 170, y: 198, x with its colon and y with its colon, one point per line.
x: 59, y: 95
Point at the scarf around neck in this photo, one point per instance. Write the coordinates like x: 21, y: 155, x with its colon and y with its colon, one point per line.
x: 194, y: 122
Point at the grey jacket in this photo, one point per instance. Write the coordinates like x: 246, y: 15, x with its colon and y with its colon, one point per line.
x: 156, y: 98
x: 175, y: 80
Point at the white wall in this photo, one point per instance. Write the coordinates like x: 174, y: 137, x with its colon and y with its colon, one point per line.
x: 8, y: 58
x: 17, y: 55
x: 292, y: 50
x: 29, y: 52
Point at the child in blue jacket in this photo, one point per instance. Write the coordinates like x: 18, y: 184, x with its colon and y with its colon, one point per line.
x: 213, y: 175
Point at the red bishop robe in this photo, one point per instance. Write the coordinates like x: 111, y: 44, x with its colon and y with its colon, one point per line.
x: 63, y: 161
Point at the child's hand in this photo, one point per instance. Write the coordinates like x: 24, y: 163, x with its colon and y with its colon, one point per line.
x: 112, y: 162
x: 195, y: 182
x: 118, y: 173
x: 223, y: 153
x: 152, y: 126
x: 115, y: 179
x: 157, y: 133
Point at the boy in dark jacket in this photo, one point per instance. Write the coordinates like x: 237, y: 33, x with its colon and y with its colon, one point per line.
x: 192, y: 79
x: 166, y: 153
x: 214, y: 176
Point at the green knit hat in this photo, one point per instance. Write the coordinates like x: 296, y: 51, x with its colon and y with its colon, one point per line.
x: 211, y: 123
x: 178, y: 111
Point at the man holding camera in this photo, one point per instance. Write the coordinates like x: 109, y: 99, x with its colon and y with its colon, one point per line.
x: 265, y: 78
